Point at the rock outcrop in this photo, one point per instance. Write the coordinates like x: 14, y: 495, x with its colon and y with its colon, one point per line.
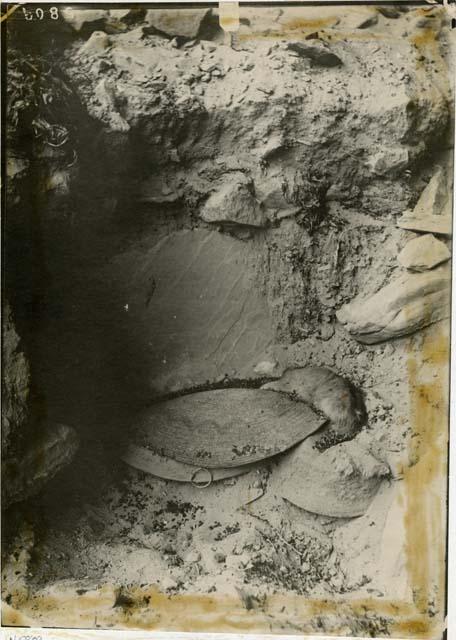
x: 432, y: 212
x: 205, y: 109
x: 423, y: 253
x: 408, y: 303
x: 44, y: 456
x: 233, y: 202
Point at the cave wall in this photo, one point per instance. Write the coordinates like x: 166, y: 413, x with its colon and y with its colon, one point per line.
x: 15, y: 387
x: 293, y: 171
x: 197, y: 213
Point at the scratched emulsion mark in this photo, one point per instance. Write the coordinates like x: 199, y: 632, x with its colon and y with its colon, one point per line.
x: 424, y: 506
x: 9, y: 12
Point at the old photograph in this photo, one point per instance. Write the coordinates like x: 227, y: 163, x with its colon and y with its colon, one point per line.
x: 226, y: 278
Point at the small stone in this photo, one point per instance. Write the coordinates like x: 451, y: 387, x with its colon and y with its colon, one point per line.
x: 389, y: 161
x: 432, y: 212
x: 423, y: 253
x: 233, y: 202
x: 368, y: 23
x: 327, y: 331
x: 219, y: 557
x: 104, y: 66
x: 389, y: 350
x: 266, y: 367
x: 205, y: 77
x: 359, y: 18
x: 118, y: 14
x: 97, y: 43
x: 389, y: 12
x: 168, y: 583
x: 206, y: 66
x: 265, y: 89
x: 105, y: 93
x: 320, y: 54
x: 192, y: 557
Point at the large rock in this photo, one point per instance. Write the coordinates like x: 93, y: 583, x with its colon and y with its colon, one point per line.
x: 340, y: 482
x: 433, y: 210
x: 177, y: 22
x: 423, y: 253
x: 290, y: 191
x: 195, y: 310
x: 77, y: 18
x: 409, y: 303
x: 233, y: 202
x: 25, y: 475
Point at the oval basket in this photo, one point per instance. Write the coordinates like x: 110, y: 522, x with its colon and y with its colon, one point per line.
x: 225, y: 427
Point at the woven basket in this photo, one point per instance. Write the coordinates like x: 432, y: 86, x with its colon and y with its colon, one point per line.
x: 225, y: 427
